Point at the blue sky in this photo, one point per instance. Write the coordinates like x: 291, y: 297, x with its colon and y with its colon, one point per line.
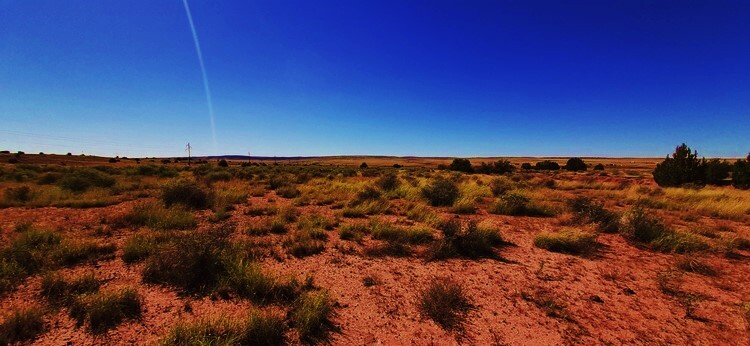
x: 426, y: 78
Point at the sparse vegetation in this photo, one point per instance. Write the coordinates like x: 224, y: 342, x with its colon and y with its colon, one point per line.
x: 572, y: 241
x: 446, y: 303
x: 312, y: 315
x: 441, y: 192
x: 105, y: 310
x: 21, y: 325
x: 258, y: 328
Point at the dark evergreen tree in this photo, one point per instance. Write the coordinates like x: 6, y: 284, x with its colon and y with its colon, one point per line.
x: 741, y: 174
x: 461, y: 165
x: 682, y: 168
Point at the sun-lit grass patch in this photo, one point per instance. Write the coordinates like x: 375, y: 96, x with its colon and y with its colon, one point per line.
x: 312, y: 315
x: 258, y: 328
x: 154, y: 215
x: 569, y: 240
x: 383, y: 230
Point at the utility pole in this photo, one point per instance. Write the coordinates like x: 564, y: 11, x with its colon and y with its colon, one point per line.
x: 187, y: 148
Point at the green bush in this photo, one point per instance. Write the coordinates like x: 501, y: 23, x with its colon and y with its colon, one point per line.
x: 441, y: 192
x: 156, y: 216
x: 575, y: 164
x: 741, y: 174
x: 587, y: 210
x: 311, y: 315
x: 82, y: 179
x: 475, y: 241
x: 191, y: 261
x: 461, y: 165
x: 498, y: 167
x: 684, y: 167
x: 388, y: 182
x: 547, y: 165
x: 519, y: 205
x: 185, y: 193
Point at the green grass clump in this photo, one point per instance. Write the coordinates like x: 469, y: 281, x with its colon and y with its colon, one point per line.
x: 248, y: 280
x: 258, y: 328
x: 191, y: 261
x: 311, y: 315
x: 21, y: 325
x: 514, y: 204
x: 382, y: 230
x: 638, y: 226
x: 185, y: 193
x: 353, y: 231
x: 29, y: 252
x: 71, y: 252
x: 141, y: 245
x: 60, y: 291
x: 571, y: 241
x: 441, y: 192
x: 105, y: 310
x: 588, y: 211
x: 475, y: 241
x: 156, y: 216
x: 305, y: 243
x: 276, y: 225
x: 445, y: 302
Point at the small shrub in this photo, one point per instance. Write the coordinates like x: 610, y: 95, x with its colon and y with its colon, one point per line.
x: 571, y: 241
x: 287, y: 191
x: 192, y: 261
x: 21, y: 194
x: 363, y: 165
x: 21, y: 325
x: 575, y: 164
x: 311, y: 315
x: 102, y: 311
x: 59, y: 291
x: 223, y: 163
x: 445, y: 302
x: 388, y: 182
x: 518, y: 205
x: 638, y: 225
x: 441, y: 192
x: 81, y: 180
x: 588, y: 211
x: 500, y: 186
x: 71, y: 252
x: 498, y: 167
x: 547, y: 165
x: 461, y: 165
x: 475, y: 241
x: 354, y: 231
x: 185, y: 193
x: 599, y: 167
x: 156, y: 216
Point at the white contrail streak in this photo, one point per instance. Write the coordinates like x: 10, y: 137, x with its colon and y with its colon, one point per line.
x: 203, y: 72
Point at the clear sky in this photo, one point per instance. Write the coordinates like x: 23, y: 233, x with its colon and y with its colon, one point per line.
x: 426, y: 78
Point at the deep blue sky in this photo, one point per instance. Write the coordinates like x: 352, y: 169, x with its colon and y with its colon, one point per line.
x: 428, y: 78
